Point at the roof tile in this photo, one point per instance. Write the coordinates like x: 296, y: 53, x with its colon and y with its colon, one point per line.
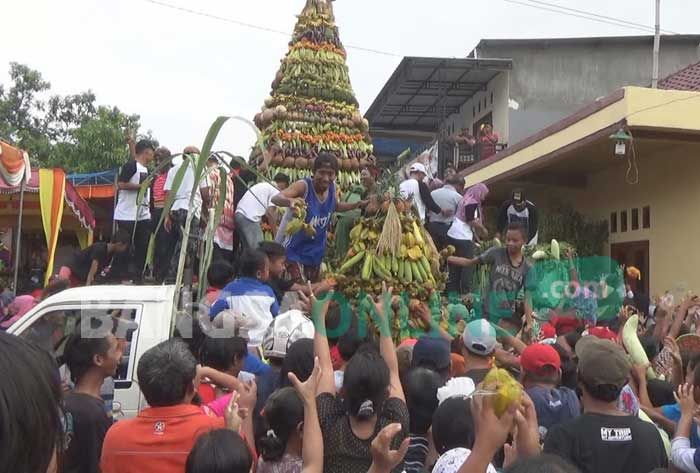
x: 687, y: 78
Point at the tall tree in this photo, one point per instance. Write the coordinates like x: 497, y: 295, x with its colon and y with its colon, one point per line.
x: 71, y: 131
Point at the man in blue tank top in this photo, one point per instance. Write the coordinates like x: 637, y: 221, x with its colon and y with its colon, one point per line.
x: 318, y: 194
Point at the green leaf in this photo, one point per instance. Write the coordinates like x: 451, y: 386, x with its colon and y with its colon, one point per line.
x: 200, y: 164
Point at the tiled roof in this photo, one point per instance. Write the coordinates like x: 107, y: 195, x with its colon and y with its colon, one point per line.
x: 685, y: 79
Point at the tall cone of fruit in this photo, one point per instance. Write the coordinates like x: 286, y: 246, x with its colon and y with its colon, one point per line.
x: 312, y: 107
x: 390, y: 245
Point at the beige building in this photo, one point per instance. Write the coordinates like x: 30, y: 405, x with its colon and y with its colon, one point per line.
x: 650, y: 195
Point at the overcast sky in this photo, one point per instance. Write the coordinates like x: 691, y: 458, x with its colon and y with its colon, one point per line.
x: 179, y: 71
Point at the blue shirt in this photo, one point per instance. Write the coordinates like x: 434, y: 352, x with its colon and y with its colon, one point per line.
x: 302, y: 248
x: 673, y: 412
x: 254, y: 300
x: 254, y: 365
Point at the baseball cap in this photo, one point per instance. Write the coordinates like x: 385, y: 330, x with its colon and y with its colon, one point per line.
x: 431, y: 351
x: 601, y: 362
x: 284, y: 330
x: 601, y: 332
x: 479, y: 337
x: 538, y: 356
x: 548, y: 331
x: 417, y: 167
x: 553, y: 406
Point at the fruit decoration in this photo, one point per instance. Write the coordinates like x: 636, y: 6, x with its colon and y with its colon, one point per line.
x: 390, y: 245
x: 312, y: 107
x: 507, y: 390
x: 298, y: 222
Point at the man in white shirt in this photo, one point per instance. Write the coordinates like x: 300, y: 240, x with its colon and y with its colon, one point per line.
x: 131, y: 217
x: 447, y: 197
x: 254, y: 204
x: 175, y: 220
x: 417, y: 191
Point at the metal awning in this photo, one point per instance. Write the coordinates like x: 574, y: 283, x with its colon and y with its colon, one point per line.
x: 423, y: 91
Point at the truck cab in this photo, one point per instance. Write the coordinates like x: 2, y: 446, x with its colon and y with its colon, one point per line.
x: 142, y: 317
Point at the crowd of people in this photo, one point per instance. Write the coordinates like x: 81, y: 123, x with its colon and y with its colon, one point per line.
x: 355, y: 402
x: 311, y: 389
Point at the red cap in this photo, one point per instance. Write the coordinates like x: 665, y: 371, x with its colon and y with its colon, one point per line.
x: 548, y: 331
x: 602, y: 332
x: 537, y: 356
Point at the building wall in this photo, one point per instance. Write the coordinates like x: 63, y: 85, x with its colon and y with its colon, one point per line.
x: 668, y: 185
x: 481, y: 105
x: 551, y: 80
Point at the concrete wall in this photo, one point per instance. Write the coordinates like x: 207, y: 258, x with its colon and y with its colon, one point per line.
x: 481, y: 105
x: 668, y: 185
x: 550, y: 81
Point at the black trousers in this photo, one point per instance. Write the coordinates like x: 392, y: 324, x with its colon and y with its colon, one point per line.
x: 179, y: 218
x: 131, y: 263
x: 163, y: 248
x: 438, y: 232
x: 460, y: 278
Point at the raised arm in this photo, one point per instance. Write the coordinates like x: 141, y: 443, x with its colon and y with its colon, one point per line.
x: 682, y: 455
x: 291, y: 195
x: 386, y: 344
x: 319, y: 309
x: 680, y: 316
x: 312, y: 450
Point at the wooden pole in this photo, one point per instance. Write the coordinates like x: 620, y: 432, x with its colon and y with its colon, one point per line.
x: 18, y: 240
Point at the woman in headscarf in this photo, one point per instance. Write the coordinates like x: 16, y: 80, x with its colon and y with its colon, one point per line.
x: 468, y: 220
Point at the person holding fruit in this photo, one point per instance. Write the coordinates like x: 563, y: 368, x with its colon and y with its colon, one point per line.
x: 314, y: 199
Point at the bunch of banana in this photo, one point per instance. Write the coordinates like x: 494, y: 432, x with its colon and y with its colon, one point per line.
x: 299, y: 223
x: 413, y: 259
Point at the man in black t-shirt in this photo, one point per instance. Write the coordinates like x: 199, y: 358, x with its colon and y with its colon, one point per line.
x: 604, y: 439
x: 276, y: 253
x: 91, y: 356
x: 89, y: 263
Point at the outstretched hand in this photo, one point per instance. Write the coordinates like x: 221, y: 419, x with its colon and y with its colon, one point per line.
x: 384, y: 459
x: 671, y: 345
x: 319, y: 308
x: 234, y: 415
x: 383, y: 307
x: 491, y: 431
x: 686, y: 399
x: 307, y: 389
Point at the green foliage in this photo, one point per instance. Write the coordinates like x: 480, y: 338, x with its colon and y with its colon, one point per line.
x: 563, y: 223
x: 71, y: 131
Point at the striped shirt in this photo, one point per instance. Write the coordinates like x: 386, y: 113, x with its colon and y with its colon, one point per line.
x: 158, y: 192
x: 414, y: 461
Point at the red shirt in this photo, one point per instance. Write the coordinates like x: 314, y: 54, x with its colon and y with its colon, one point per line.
x: 158, y: 190
x: 158, y: 440
x: 206, y: 392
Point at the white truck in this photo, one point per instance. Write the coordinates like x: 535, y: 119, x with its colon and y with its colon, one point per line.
x: 147, y: 311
